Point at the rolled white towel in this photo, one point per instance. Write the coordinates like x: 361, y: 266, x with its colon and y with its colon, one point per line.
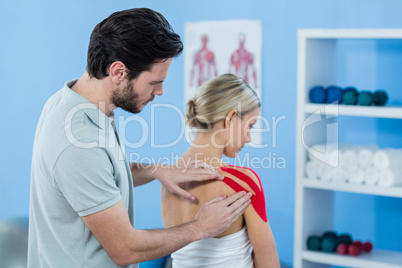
x: 311, y: 169
x: 339, y: 174
x: 325, y: 172
x: 387, y: 158
x: 356, y: 176
x: 350, y: 169
x: 325, y: 153
x: 318, y: 153
x: 348, y: 158
x: 336, y: 154
x: 366, y: 155
x: 371, y: 176
x: 390, y: 177
x: 333, y: 156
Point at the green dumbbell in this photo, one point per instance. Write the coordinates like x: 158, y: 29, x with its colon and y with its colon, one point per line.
x: 330, y: 234
x: 328, y: 244
x: 365, y: 98
x: 344, y: 239
x: 349, y: 96
x: 314, y: 243
x: 380, y: 97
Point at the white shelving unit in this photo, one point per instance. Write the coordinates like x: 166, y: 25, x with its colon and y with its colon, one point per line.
x: 344, y: 110
x: 317, y: 58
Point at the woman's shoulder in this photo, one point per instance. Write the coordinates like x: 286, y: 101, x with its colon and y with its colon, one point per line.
x: 244, y: 174
x: 242, y: 178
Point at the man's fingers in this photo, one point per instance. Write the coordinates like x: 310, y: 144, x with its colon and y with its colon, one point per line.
x: 241, y: 202
x: 207, y: 177
x: 203, y: 177
x: 237, y: 196
x: 183, y: 193
x: 202, y: 165
x: 239, y: 211
x: 202, y: 171
x: 217, y: 199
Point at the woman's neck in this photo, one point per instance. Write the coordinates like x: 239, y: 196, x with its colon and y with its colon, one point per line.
x: 205, y: 149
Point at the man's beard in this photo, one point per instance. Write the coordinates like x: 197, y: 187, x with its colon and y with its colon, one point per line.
x: 127, y: 99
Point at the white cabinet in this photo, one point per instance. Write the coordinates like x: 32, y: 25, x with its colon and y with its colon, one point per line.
x: 314, y: 201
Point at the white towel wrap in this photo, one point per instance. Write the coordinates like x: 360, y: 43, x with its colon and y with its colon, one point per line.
x: 390, y: 177
x: 348, y: 158
x: 339, y: 174
x: 232, y: 251
x: 387, y: 158
x: 325, y: 153
x: 325, y: 172
x: 356, y: 176
x: 371, y: 176
x: 366, y: 156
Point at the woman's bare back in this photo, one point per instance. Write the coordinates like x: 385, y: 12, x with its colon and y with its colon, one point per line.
x: 177, y: 210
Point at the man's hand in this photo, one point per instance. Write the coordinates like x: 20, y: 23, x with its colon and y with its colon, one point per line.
x: 172, y: 177
x: 216, y: 215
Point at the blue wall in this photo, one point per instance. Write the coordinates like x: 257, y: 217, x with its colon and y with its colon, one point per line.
x: 43, y: 44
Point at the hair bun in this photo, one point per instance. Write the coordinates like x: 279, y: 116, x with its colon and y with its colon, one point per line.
x: 191, y: 115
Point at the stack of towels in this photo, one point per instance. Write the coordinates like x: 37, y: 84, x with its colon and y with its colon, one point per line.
x: 344, y: 163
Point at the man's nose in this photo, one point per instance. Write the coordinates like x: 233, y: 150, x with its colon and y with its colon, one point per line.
x: 158, y: 90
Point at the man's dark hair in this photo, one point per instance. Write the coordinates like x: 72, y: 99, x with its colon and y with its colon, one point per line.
x: 138, y: 37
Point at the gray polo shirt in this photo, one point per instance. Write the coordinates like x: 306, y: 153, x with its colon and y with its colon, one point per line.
x: 78, y: 168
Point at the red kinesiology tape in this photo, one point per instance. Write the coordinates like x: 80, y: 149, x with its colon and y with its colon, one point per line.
x: 258, y: 199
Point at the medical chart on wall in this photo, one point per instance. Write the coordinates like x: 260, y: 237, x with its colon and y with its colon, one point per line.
x: 217, y: 47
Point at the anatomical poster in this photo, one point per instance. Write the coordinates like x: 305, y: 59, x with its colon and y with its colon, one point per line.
x: 217, y: 47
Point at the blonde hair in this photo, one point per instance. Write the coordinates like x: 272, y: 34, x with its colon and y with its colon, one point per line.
x: 217, y: 97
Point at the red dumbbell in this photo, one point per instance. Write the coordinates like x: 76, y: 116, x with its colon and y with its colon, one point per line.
x: 355, y: 248
x: 367, y: 246
x: 342, y: 249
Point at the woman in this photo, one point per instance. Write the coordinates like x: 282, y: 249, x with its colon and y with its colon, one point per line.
x: 223, y: 111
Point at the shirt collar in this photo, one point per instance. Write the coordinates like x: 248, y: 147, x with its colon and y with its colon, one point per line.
x: 80, y: 102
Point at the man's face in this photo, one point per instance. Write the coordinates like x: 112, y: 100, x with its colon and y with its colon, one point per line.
x: 135, y: 94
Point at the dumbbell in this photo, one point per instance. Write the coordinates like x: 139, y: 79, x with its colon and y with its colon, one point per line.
x: 365, y: 98
x: 334, y: 94
x: 318, y: 94
x: 380, y: 97
x: 329, y: 241
x: 349, y: 96
x: 367, y: 246
x: 342, y: 249
x: 343, y: 242
x: 314, y: 243
x: 344, y: 239
x: 354, y: 249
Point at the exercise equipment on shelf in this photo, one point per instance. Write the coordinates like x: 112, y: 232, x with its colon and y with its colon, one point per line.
x: 343, y: 244
x: 348, y: 96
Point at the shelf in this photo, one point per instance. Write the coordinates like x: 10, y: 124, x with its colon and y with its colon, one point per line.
x: 346, y: 110
x: 375, y: 259
x: 353, y: 188
x: 327, y: 57
x: 351, y: 33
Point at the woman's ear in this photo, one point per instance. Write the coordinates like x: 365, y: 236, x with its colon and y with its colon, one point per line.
x: 229, y: 118
x: 117, y: 72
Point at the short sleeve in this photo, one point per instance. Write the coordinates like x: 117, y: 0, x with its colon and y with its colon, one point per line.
x: 85, y: 178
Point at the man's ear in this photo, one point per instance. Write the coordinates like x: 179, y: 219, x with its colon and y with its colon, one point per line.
x: 229, y: 118
x: 117, y: 72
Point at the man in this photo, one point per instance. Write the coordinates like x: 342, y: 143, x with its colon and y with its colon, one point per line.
x: 82, y: 197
